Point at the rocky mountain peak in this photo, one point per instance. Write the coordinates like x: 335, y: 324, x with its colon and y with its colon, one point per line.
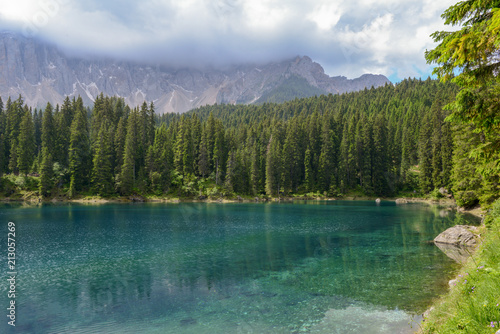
x: 41, y: 73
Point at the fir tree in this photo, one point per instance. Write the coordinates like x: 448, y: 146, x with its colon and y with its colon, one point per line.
x: 49, y: 130
x: 128, y: 169
x: 80, y: 159
x: 26, y: 144
x: 102, y: 171
x: 46, y: 173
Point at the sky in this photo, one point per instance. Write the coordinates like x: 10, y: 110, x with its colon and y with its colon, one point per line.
x: 347, y: 37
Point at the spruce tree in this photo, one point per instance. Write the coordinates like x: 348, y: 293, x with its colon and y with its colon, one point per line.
x: 273, y: 167
x: 26, y: 145
x: 63, y: 133
x: 380, y: 161
x: 80, y: 160
x: 102, y: 170
x: 46, y: 173
x: 326, y: 158
x: 49, y: 130
x: 203, y: 163
x: 119, y: 144
x: 128, y: 169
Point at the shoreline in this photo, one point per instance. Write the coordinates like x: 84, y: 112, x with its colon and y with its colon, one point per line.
x: 448, y: 202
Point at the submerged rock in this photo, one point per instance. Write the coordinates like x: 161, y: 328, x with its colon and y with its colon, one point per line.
x: 460, y: 235
x: 188, y: 321
x: 458, y: 253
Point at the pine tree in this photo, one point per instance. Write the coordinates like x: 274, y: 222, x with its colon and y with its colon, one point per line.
x: 46, y: 173
x: 26, y: 143
x: 80, y: 160
x: 13, y: 157
x: 119, y: 143
x: 128, y: 169
x: 273, y: 167
x: 425, y: 156
x: 368, y: 157
x: 102, y: 171
x: 466, y: 179
x: 380, y: 161
x: 219, y: 153
x: 436, y: 144
x: 203, y: 163
x: 326, y: 158
x: 231, y: 175
x: 291, y: 158
x: 49, y: 130
x: 180, y: 145
x: 159, y: 161
x: 309, y: 176
x: 37, y: 122
x: 63, y: 133
x: 3, y: 140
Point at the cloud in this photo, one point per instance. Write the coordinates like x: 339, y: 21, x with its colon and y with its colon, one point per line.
x: 347, y: 37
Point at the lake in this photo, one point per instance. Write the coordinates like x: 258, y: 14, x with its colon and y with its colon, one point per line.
x: 302, y: 267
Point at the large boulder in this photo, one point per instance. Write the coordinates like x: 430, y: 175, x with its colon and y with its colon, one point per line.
x: 459, y: 235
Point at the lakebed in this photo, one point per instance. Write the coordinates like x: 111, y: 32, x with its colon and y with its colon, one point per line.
x: 308, y: 266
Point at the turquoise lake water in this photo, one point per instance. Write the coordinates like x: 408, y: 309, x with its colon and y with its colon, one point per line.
x: 308, y: 267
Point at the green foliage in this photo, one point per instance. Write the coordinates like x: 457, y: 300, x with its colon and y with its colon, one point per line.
x: 26, y: 143
x: 47, y: 173
x: 436, y: 194
x: 366, y: 142
x: 472, y: 306
x: 473, y: 52
x: 80, y: 158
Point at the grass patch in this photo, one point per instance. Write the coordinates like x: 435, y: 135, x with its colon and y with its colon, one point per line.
x: 473, y: 302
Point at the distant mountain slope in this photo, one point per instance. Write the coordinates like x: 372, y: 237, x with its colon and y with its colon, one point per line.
x: 41, y: 73
x: 291, y: 88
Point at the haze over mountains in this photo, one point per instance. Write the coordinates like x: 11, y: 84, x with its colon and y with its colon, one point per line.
x: 41, y: 73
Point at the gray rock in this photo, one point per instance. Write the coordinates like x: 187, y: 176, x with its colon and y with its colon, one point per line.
x: 401, y: 201
x: 458, y: 253
x: 443, y: 191
x: 452, y: 282
x: 427, y: 312
x: 42, y: 73
x: 458, y: 235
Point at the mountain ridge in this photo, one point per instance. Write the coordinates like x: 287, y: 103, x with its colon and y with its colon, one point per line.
x: 42, y: 73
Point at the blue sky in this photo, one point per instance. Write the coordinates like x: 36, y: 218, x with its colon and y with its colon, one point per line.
x: 347, y: 38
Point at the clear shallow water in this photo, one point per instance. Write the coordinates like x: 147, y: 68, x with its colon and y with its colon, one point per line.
x: 318, y: 267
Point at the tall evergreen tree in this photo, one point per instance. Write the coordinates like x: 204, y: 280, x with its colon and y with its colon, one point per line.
x: 273, y: 166
x: 380, y: 162
x: 46, y: 173
x: 49, y: 130
x: 102, y: 171
x: 326, y: 158
x: 26, y: 143
x: 128, y: 169
x: 80, y: 159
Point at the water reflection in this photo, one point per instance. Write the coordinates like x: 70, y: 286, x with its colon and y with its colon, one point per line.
x: 248, y: 267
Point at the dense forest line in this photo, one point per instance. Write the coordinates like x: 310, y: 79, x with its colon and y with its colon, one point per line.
x: 386, y: 141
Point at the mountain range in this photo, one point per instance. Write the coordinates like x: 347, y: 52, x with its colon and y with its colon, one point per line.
x: 42, y: 73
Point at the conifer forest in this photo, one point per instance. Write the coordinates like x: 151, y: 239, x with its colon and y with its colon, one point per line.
x: 390, y: 141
